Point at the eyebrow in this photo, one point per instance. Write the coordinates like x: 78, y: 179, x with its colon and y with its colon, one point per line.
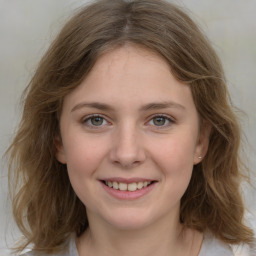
x: 162, y: 105
x: 97, y: 105
x: 147, y: 107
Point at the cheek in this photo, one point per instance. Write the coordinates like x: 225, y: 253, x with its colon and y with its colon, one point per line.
x: 83, y: 161
x: 175, y: 158
x: 178, y: 150
x: 83, y: 157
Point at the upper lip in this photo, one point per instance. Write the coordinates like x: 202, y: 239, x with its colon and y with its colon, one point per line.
x: 127, y: 180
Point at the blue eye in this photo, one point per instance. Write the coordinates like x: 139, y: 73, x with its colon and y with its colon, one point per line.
x: 160, y: 121
x: 95, y: 121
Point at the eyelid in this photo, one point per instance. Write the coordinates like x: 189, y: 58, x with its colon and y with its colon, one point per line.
x: 169, y: 118
x: 88, y: 117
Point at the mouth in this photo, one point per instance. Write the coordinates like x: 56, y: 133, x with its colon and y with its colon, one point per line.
x: 133, y: 186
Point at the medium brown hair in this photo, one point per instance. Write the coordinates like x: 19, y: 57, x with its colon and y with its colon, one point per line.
x: 45, y: 206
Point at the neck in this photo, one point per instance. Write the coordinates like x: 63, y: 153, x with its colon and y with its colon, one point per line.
x: 157, y: 239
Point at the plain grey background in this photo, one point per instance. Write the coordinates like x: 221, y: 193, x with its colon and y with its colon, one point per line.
x: 27, y: 27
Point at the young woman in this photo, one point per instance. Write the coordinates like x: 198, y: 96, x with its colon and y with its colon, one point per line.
x: 128, y: 144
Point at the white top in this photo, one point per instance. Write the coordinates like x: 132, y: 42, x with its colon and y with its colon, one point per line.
x: 213, y: 247
x: 210, y: 247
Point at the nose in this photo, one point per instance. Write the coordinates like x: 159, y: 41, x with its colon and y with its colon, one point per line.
x: 127, y: 148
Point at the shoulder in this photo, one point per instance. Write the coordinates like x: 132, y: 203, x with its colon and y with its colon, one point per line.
x: 70, y: 251
x: 34, y: 253
x: 214, y: 247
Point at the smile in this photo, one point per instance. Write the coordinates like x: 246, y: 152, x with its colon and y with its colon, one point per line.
x: 128, y: 189
x: 127, y: 186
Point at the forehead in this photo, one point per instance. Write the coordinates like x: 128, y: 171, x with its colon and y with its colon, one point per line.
x: 129, y: 55
x: 130, y: 72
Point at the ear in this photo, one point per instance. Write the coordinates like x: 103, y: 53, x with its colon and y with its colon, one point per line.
x: 202, y: 142
x: 60, y: 152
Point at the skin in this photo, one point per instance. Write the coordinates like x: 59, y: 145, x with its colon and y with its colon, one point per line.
x: 148, y: 128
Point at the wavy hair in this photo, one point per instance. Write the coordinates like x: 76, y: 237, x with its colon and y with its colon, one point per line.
x: 45, y: 206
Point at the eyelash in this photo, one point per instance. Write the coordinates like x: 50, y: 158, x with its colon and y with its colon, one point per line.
x: 89, y: 118
x: 166, y: 118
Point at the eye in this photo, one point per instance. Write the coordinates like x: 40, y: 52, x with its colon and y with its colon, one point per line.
x: 161, y: 121
x: 95, y: 121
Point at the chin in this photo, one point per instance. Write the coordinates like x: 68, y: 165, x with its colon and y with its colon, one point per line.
x: 130, y: 219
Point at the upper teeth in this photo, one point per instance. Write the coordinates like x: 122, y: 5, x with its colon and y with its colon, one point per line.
x: 130, y: 187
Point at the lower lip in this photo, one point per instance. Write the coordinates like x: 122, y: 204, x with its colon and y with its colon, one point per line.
x: 128, y: 195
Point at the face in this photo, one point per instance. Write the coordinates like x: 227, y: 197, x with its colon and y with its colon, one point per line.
x: 130, y: 137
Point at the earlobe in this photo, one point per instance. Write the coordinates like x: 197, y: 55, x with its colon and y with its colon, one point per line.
x: 60, y: 153
x: 202, y: 143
